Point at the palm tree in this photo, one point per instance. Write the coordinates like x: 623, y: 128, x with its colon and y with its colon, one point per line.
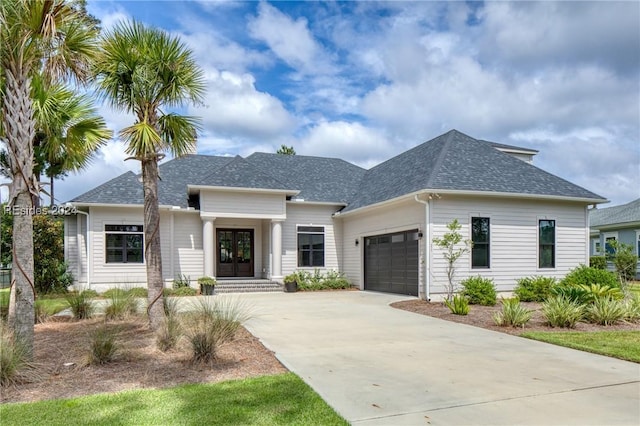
x: 141, y: 70
x: 56, y: 39
x: 69, y: 131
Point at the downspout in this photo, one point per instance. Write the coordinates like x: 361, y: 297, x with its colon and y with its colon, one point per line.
x: 427, y: 233
x: 79, y: 226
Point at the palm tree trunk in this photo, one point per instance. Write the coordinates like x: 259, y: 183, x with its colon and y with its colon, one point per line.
x: 152, y: 254
x: 19, y: 127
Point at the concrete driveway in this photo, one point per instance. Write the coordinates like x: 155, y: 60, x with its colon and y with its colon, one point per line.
x: 377, y: 365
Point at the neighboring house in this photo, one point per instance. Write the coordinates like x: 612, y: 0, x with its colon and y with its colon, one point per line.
x: 268, y: 215
x: 619, y: 223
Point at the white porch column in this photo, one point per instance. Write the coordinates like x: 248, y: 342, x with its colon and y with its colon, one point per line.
x: 208, y: 245
x: 276, y: 249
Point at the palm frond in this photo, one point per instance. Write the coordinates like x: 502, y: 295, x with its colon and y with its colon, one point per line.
x: 179, y: 133
x: 144, y: 141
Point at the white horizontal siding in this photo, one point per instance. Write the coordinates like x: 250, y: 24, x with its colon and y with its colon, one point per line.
x: 242, y: 204
x: 187, y: 246
x: 403, y: 215
x: 310, y: 215
x: 513, y: 238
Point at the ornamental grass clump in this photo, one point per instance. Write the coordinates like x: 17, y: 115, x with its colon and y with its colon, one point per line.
x: 102, y: 345
x: 81, y: 305
x: 513, y: 314
x: 606, y: 311
x: 14, y: 364
x: 170, y: 330
x: 121, y: 305
x: 458, y: 305
x: 632, y: 308
x: 211, y: 324
x: 560, y: 311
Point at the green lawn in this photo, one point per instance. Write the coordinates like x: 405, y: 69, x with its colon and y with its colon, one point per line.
x: 618, y: 344
x: 269, y: 400
x: 51, y: 303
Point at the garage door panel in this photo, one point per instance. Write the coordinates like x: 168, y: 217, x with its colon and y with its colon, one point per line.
x: 391, y: 263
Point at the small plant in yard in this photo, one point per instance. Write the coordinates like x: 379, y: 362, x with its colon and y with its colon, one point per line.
x: 170, y: 331
x: 458, y: 305
x: 586, y: 275
x: 121, y: 305
x: 605, y: 311
x: 13, y: 357
x: 81, y: 305
x: 625, y: 261
x: 562, y: 312
x: 212, y: 323
x: 207, y: 285
x: 479, y: 291
x: 598, y: 262
x: 453, y: 246
x: 534, y: 289
x: 138, y: 292
x: 331, y: 280
x: 181, y: 281
x: 513, y: 314
x: 102, y: 345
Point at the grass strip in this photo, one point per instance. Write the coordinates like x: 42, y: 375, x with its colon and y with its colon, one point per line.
x: 268, y: 400
x: 618, y: 344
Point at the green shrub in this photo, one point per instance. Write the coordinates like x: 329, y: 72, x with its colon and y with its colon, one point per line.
x: 332, y: 280
x: 513, y: 314
x: 13, y: 357
x: 184, y: 291
x: 459, y: 305
x: 625, y: 261
x: 534, y: 289
x: 479, y: 291
x: 137, y: 292
x: 576, y: 294
x: 181, y: 281
x: 598, y: 262
x: 598, y: 291
x: 81, y: 305
x: 562, y: 312
x: 212, y: 323
x: 632, y: 308
x: 605, y: 311
x: 586, y: 275
x: 121, y: 305
x: 102, y: 345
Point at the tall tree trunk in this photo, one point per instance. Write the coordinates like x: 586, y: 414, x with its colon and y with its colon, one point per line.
x: 152, y: 253
x: 19, y: 127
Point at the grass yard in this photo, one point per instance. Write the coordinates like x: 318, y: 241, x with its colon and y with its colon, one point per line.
x: 618, y: 344
x: 49, y: 304
x: 268, y: 400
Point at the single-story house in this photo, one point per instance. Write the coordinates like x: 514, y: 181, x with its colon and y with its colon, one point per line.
x: 618, y: 223
x: 268, y: 215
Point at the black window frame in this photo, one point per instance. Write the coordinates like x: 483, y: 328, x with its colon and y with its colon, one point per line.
x: 127, y: 232
x: 477, y: 244
x: 307, y: 256
x: 544, y: 245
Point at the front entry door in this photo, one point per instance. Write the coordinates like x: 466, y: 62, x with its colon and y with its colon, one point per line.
x: 235, y: 253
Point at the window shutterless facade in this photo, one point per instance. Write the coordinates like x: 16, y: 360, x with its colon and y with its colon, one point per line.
x: 480, y: 252
x: 124, y: 244
x: 311, y: 246
x: 546, y: 243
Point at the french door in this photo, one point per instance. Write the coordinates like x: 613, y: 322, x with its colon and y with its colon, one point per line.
x: 235, y: 253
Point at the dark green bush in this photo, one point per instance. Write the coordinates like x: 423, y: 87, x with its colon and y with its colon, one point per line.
x: 586, y: 275
x: 479, y: 291
x: 598, y: 262
x: 534, y: 289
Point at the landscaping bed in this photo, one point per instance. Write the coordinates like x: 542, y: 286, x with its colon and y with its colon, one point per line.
x: 138, y: 365
x: 482, y: 316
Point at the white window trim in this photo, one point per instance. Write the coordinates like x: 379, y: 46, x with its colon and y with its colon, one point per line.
x: 470, y: 233
x: 555, y: 251
x: 595, y: 251
x: 324, y: 235
x: 606, y: 235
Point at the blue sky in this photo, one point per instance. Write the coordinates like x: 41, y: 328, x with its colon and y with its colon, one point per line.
x: 364, y: 81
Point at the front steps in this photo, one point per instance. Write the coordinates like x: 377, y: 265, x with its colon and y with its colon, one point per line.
x: 247, y: 286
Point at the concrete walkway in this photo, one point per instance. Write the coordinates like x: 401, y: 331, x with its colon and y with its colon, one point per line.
x: 381, y: 366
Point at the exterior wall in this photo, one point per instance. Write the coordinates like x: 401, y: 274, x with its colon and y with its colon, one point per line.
x: 513, y: 238
x: 187, y: 247
x: 400, y: 216
x: 72, y: 252
x: 310, y: 215
x: 242, y: 204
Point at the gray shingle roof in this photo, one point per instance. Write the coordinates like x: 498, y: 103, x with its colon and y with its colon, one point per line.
x: 626, y: 213
x: 319, y: 179
x: 455, y: 161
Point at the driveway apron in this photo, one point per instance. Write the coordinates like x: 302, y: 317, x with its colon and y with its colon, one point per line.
x: 377, y: 365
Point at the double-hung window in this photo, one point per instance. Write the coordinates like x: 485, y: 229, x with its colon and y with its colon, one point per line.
x: 480, y: 252
x: 124, y: 243
x: 547, y: 243
x: 311, y: 246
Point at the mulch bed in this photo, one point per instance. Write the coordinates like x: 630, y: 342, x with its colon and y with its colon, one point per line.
x: 139, y: 364
x: 482, y: 316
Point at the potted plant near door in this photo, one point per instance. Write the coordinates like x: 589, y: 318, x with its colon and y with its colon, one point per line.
x: 291, y: 283
x: 207, y: 285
